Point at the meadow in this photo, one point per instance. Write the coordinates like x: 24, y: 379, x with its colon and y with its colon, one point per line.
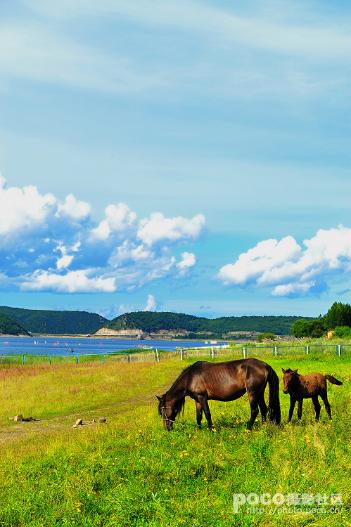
x: 129, y: 471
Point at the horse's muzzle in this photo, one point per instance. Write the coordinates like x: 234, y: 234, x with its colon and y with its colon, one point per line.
x: 168, y: 425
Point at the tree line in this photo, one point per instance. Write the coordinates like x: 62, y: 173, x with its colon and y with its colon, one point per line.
x: 337, y: 319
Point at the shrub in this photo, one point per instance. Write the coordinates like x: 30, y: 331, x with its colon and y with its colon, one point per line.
x: 266, y: 336
x: 342, y: 332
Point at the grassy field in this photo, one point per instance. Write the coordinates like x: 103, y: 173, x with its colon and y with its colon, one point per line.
x: 131, y: 472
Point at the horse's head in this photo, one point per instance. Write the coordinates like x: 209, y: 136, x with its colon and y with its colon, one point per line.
x: 168, y: 409
x: 289, y: 379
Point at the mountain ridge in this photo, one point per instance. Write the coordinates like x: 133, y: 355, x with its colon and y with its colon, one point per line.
x: 138, y: 324
x: 146, y: 322
x: 11, y: 327
x: 41, y: 321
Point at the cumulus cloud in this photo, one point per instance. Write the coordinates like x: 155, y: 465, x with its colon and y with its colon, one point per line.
x: 289, y: 268
x: 129, y: 251
x: 71, y: 282
x: 188, y: 260
x: 74, y: 208
x: 268, y: 256
x: 158, y: 228
x: 150, y: 304
x: 118, y: 218
x: 23, y: 208
x: 49, y: 244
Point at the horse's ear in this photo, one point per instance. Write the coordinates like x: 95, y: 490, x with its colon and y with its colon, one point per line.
x: 283, y: 370
x: 295, y: 371
x: 158, y: 397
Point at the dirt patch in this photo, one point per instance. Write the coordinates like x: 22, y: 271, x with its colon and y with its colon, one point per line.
x: 21, y: 429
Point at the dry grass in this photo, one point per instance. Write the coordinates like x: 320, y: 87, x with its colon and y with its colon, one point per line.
x: 130, y: 472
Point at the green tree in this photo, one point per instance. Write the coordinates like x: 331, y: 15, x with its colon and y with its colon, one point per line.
x: 338, y: 315
x: 309, y: 328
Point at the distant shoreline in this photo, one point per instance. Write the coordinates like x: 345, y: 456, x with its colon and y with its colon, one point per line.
x: 105, y: 337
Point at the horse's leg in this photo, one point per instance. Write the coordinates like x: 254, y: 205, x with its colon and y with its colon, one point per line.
x: 202, y: 402
x: 207, y: 414
x: 326, y: 403
x: 263, y: 407
x: 291, y: 409
x: 299, y: 408
x: 317, y: 406
x: 253, y: 399
x: 198, y: 413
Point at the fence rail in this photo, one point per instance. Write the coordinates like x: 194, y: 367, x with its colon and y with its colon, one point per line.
x: 209, y: 352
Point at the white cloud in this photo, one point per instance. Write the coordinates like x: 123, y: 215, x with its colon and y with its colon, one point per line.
x: 150, y: 304
x: 158, y: 228
x: 188, y: 260
x: 130, y: 251
x: 118, y: 218
x: 293, y: 289
x: 74, y: 208
x: 266, y: 256
x: 290, y: 268
x: 51, y: 245
x: 64, y: 261
x: 72, y: 282
x: 23, y: 208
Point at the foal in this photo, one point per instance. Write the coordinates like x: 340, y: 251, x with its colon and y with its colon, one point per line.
x: 301, y: 387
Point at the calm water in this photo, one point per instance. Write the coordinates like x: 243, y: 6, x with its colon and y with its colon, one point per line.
x: 67, y: 346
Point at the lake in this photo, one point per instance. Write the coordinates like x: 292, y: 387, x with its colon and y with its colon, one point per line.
x: 84, y: 345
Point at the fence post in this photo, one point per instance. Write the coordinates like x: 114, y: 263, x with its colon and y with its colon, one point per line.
x: 307, y: 349
x: 76, y: 358
x: 339, y: 350
x: 50, y: 359
x: 212, y: 352
x: 244, y: 352
x: 181, y: 353
x: 128, y: 357
x: 157, y: 355
x: 275, y: 351
x: 23, y: 359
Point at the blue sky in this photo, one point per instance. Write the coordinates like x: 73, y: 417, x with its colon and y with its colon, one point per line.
x: 203, y: 147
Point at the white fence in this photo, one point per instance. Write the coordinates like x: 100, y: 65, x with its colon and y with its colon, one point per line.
x: 224, y: 351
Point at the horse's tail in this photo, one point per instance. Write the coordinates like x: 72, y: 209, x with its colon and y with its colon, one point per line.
x: 274, y: 404
x: 332, y: 379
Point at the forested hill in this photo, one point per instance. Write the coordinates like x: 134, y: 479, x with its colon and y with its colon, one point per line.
x: 151, y: 322
x: 10, y: 327
x: 54, y: 322
x: 19, y: 321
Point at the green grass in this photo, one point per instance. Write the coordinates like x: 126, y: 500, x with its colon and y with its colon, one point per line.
x: 131, y: 472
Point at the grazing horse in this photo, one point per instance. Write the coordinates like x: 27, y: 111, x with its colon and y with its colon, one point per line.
x: 222, y: 381
x: 310, y: 386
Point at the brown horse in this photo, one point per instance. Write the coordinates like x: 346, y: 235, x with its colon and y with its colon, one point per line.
x: 222, y: 381
x: 310, y: 386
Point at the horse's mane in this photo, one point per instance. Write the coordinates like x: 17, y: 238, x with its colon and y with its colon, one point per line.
x: 183, y: 373
x: 179, y: 403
